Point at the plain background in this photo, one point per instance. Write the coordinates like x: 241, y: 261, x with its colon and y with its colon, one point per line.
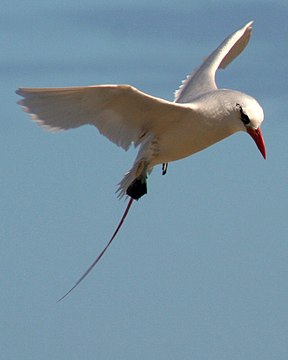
x: 199, y: 269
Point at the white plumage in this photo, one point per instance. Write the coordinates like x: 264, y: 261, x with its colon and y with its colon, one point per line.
x: 200, y: 116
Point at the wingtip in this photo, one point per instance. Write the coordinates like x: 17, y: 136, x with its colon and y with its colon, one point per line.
x: 19, y: 91
x: 249, y: 25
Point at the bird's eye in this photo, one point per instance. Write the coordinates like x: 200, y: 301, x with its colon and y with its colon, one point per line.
x: 244, y: 117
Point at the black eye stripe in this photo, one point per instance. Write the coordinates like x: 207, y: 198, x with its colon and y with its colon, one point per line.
x: 244, y: 117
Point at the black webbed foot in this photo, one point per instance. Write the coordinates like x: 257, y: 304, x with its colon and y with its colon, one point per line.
x: 164, y: 168
x: 137, y: 188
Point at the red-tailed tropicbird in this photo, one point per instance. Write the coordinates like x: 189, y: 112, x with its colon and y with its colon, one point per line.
x: 200, y: 116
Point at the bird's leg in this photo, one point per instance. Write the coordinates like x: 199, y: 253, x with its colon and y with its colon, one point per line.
x: 164, y: 168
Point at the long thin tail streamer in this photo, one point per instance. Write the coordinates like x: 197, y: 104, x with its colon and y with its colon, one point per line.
x: 102, y: 252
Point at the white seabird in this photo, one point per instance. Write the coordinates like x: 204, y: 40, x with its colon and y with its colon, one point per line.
x: 165, y: 131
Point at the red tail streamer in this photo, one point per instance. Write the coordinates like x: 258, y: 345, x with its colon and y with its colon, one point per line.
x: 102, y: 252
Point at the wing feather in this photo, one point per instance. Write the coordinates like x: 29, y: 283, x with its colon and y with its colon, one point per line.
x: 203, y: 79
x: 120, y: 112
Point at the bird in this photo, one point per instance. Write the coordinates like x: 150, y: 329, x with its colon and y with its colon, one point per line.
x: 164, y: 131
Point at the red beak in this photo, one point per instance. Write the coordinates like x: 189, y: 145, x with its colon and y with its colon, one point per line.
x: 257, y: 137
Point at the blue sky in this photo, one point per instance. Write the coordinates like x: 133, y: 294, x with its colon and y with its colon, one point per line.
x: 199, y: 269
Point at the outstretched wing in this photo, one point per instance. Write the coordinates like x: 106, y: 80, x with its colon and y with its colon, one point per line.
x: 120, y: 112
x: 203, y: 79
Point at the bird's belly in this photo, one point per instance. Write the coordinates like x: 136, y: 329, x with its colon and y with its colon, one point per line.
x: 177, y: 145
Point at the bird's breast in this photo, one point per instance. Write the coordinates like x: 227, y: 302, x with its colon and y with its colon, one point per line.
x: 182, y: 141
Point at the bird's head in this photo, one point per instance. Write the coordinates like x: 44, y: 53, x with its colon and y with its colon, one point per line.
x: 251, y: 116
